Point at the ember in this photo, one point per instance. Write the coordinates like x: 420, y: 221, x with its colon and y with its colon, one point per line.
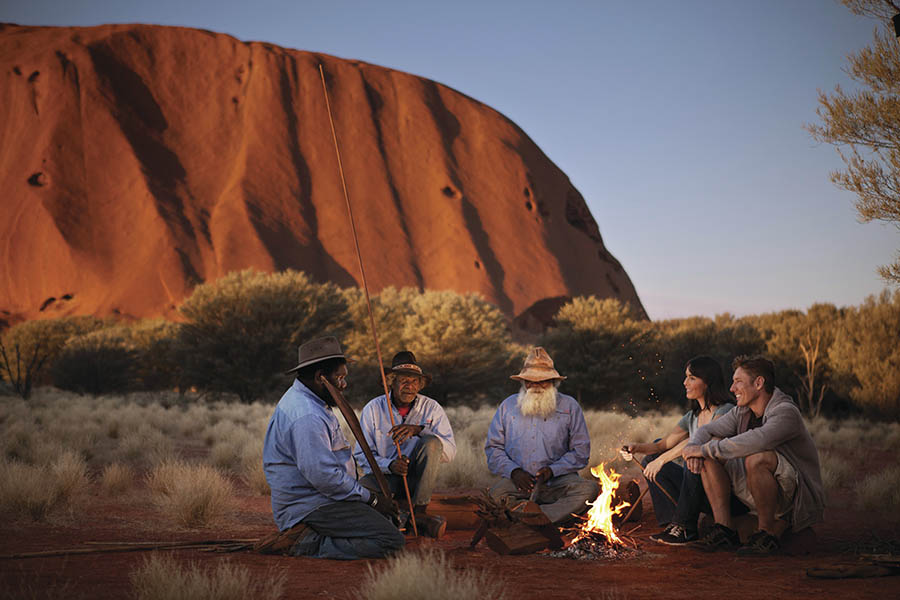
x: 595, y: 547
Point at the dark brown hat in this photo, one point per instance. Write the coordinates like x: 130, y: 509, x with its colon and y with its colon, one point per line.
x: 405, y: 362
x: 318, y: 350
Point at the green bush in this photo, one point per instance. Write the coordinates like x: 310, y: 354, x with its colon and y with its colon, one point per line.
x: 242, y: 331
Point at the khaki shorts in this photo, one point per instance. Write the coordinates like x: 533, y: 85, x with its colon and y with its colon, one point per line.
x: 785, y: 476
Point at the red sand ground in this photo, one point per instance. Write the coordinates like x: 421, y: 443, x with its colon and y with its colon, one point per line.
x: 660, y: 572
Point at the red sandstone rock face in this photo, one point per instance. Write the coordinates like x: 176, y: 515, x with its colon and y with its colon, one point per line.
x: 137, y: 161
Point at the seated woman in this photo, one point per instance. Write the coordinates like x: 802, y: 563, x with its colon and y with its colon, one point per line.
x: 704, y: 384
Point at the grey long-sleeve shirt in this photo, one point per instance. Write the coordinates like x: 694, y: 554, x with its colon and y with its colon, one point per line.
x: 782, y: 430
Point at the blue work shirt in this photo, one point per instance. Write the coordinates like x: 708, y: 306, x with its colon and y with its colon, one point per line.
x: 306, y: 458
x: 376, y: 425
x: 560, y: 441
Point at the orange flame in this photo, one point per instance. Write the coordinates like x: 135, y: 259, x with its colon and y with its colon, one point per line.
x: 599, y: 517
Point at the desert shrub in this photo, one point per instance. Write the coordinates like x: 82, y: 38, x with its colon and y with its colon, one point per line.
x: 603, y: 349
x: 164, y: 578
x: 462, y: 340
x: 116, y: 478
x: 242, y: 330
x: 880, y: 492
x: 428, y: 574
x: 99, y: 362
x: 866, y: 347
x: 37, y: 490
x: 28, y: 349
x: 191, y: 495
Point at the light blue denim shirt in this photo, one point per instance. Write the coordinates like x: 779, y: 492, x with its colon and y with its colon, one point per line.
x: 376, y: 425
x: 306, y: 458
x: 560, y: 441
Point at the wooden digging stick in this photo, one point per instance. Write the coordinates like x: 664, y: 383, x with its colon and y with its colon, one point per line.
x: 649, y: 481
x: 365, y: 286
x: 635, y: 505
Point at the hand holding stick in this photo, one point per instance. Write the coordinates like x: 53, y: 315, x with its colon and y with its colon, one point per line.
x: 641, y: 467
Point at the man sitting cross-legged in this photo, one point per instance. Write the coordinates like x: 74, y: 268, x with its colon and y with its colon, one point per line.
x: 423, y: 431
x: 762, y: 451
x: 539, y: 438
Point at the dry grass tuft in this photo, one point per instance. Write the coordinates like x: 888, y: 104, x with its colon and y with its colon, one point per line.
x: 36, y: 491
x: 428, y: 574
x: 837, y: 471
x: 880, y: 492
x: 116, y: 478
x: 251, y: 469
x: 164, y: 578
x: 192, y: 495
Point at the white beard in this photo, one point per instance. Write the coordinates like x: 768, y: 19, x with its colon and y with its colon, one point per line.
x: 537, y: 402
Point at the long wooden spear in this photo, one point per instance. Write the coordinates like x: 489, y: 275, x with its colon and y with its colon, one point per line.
x: 362, y: 273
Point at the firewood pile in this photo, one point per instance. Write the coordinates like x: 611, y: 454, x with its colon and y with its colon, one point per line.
x: 512, y: 526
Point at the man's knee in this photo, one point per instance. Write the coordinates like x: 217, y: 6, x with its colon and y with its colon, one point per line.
x: 431, y: 446
x: 761, y: 462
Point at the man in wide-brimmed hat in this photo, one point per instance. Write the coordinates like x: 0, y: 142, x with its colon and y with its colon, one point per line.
x: 538, y: 437
x: 423, y: 432
x: 319, y: 507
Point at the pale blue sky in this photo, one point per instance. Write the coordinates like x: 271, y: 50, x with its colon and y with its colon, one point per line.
x: 681, y: 123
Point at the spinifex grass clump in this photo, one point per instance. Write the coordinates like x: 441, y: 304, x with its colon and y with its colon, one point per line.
x: 192, y: 495
x: 35, y: 491
x: 116, y: 478
x: 163, y: 578
x: 427, y: 574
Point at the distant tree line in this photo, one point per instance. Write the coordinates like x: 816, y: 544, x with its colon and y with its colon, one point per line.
x: 240, y: 333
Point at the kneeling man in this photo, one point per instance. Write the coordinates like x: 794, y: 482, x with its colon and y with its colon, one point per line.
x: 762, y: 451
x: 539, y: 438
x: 319, y: 507
x: 423, y: 432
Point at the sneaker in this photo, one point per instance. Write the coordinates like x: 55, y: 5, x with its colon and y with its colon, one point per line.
x: 674, y: 535
x: 718, y: 538
x: 761, y: 543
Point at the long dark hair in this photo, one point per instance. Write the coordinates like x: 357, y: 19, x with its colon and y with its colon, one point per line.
x: 709, y: 371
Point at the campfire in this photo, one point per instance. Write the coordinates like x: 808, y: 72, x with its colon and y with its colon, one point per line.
x: 597, y: 536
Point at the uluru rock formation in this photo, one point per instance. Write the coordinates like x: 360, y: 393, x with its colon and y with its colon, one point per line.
x: 137, y: 161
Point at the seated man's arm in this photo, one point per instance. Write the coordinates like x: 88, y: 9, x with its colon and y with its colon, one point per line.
x: 498, y: 460
x: 441, y: 429
x: 782, y: 425
x: 579, y: 445
x: 312, y: 445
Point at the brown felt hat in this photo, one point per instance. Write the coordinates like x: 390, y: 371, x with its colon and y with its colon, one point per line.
x: 318, y: 350
x: 538, y: 367
x: 405, y: 362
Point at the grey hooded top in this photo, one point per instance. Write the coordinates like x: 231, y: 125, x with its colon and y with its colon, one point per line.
x: 782, y: 430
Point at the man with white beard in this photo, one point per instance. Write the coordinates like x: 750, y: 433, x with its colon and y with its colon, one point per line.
x: 538, y: 437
